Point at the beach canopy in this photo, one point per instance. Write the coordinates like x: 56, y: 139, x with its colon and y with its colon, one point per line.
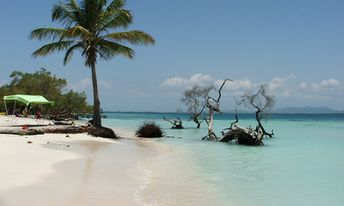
x: 28, y: 99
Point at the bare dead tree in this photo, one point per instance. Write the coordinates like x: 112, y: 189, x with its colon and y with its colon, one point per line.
x: 262, y: 103
x: 214, y: 106
x: 193, y: 98
x: 234, y: 122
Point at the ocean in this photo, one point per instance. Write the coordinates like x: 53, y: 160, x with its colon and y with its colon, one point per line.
x: 301, y: 165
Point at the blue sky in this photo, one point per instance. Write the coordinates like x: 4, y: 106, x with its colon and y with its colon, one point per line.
x: 295, y: 46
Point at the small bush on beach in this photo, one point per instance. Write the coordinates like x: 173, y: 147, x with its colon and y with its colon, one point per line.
x: 149, y: 130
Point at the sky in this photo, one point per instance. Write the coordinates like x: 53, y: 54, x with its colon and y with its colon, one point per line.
x: 296, y: 47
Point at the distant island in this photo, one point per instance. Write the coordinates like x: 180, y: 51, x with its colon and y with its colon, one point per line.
x: 306, y: 110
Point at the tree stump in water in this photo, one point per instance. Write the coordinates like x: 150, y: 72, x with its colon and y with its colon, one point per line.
x: 228, y: 137
x: 242, y: 137
x: 176, y: 123
x: 247, y: 139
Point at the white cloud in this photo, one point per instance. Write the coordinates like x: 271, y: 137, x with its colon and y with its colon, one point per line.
x: 330, y: 83
x: 81, y: 85
x: 175, y: 82
x: 180, y: 82
x: 236, y: 87
x: 85, y: 84
x: 325, y: 90
x: 303, y: 86
x: 281, y: 87
x: 277, y: 83
x: 314, y: 87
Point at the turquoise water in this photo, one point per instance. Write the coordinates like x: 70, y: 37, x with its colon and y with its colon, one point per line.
x: 302, y: 165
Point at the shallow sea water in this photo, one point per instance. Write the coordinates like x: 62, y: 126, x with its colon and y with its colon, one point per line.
x: 301, y: 165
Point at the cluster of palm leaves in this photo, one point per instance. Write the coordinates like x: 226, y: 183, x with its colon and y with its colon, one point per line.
x: 92, y: 28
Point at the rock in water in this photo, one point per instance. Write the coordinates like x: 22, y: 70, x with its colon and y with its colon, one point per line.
x: 102, y: 132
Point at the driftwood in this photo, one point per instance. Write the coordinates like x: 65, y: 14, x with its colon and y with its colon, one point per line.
x: 244, y: 136
x: 19, y: 131
x: 68, y: 122
x: 176, y: 123
x: 66, y: 129
x: 94, y: 131
x: 43, y: 130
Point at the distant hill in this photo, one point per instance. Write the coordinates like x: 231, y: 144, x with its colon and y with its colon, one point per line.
x: 305, y: 110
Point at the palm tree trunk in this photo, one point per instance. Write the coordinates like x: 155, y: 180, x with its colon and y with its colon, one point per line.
x: 97, y: 121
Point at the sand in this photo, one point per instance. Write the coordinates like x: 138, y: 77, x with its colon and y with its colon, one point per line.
x: 80, y: 170
x: 11, y: 120
x: 56, y: 169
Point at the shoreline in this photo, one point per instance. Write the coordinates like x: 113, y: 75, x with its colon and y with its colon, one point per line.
x: 78, y: 169
x: 50, y: 161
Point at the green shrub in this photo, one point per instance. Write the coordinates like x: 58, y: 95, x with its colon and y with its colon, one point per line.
x: 149, y: 130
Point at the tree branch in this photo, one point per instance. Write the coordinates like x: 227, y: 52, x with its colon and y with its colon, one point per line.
x: 223, y: 84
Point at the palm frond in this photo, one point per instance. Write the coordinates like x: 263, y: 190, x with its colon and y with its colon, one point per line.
x: 108, y: 50
x: 52, y: 47
x: 113, y: 19
x: 116, y: 4
x: 115, y: 16
x: 101, y: 3
x: 78, y: 31
x: 135, y: 37
x: 47, y: 33
x: 88, y: 27
x: 74, y: 4
x: 70, y: 51
x: 67, y: 14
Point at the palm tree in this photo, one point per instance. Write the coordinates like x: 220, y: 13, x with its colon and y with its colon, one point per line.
x: 91, y: 27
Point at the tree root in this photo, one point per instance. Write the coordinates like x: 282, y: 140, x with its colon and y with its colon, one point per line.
x: 102, y: 132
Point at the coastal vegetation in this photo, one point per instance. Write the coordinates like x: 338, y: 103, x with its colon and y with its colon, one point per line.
x: 262, y: 103
x: 43, y: 82
x: 91, y: 27
x: 194, y: 98
x: 149, y: 130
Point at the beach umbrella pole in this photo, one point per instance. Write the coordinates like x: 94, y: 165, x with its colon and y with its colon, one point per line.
x: 15, y: 104
x: 6, y: 108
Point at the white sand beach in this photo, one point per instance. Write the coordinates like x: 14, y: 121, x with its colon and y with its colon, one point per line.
x: 81, y: 170
x: 56, y: 169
